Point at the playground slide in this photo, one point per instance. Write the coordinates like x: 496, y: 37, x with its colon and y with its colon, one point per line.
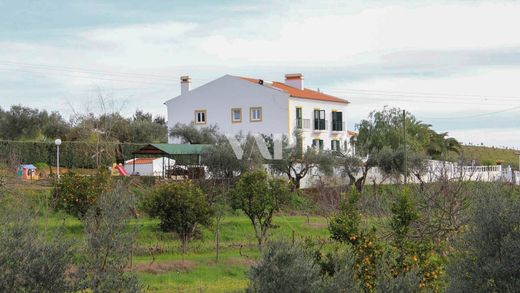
x: 121, y: 170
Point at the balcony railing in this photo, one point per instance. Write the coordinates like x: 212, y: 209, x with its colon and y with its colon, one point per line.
x: 304, y: 124
x: 338, y: 125
x: 320, y: 125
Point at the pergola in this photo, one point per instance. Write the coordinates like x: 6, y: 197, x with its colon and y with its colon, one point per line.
x: 183, y: 154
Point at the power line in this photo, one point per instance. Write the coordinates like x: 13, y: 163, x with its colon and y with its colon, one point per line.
x: 87, y: 77
x: 476, y: 115
x: 85, y: 70
x: 420, y: 94
x: 426, y: 98
x: 421, y: 101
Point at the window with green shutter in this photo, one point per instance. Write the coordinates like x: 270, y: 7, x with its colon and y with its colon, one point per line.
x: 299, y: 120
x: 337, y: 121
x: 319, y: 119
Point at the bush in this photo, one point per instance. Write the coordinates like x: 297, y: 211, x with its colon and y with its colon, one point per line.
x: 109, y: 242
x: 41, y: 166
x: 344, y: 226
x: 31, y: 261
x: 76, y: 194
x: 181, y: 207
x: 488, y: 258
x: 285, y: 268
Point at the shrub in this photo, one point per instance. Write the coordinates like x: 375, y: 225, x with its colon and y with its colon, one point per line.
x: 41, y: 166
x: 488, y: 258
x: 109, y: 241
x: 31, y: 261
x: 339, y: 273
x: 403, y: 215
x: 181, y: 207
x: 76, y: 194
x: 344, y: 226
x: 285, y: 268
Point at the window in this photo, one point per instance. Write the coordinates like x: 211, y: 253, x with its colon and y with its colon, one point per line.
x: 317, y: 143
x: 255, y: 114
x: 337, y: 121
x: 236, y: 115
x: 319, y: 119
x: 200, y: 116
x: 299, y: 117
x: 334, y: 145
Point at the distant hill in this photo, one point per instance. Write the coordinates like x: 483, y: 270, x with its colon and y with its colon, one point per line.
x: 491, y: 155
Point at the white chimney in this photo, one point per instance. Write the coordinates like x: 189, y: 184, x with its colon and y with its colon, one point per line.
x: 185, y: 84
x: 294, y: 80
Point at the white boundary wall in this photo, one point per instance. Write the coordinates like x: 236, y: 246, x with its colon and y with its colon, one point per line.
x: 435, y: 171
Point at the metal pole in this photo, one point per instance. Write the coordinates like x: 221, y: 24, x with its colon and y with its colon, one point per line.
x: 58, y: 161
x: 405, y: 158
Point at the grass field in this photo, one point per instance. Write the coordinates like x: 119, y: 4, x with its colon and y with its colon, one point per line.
x: 158, y: 260
x: 157, y: 257
x: 491, y: 156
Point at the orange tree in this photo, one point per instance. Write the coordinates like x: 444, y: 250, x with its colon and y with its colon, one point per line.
x: 76, y: 194
x: 181, y: 207
x: 259, y: 197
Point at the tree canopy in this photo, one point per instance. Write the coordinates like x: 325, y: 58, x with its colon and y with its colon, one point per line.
x: 25, y: 123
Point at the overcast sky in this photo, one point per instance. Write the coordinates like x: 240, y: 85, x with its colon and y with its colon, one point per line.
x: 455, y: 65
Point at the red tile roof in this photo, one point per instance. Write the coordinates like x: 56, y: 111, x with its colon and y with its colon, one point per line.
x: 140, y: 161
x: 302, y: 94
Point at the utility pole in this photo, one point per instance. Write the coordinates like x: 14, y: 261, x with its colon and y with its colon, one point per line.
x: 405, y: 157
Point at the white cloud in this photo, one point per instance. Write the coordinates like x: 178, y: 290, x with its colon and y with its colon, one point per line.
x: 392, y: 46
x: 160, y: 33
x: 343, y: 35
x: 498, y: 137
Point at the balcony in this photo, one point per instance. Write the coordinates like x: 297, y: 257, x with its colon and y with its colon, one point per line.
x: 304, y: 124
x: 320, y: 125
x: 338, y: 126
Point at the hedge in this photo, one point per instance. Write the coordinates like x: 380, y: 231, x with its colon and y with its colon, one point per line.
x: 72, y: 154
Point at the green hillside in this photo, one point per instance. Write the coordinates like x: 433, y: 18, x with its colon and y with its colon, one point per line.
x: 491, y: 155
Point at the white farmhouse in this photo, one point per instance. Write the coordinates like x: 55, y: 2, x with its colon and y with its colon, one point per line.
x: 251, y: 105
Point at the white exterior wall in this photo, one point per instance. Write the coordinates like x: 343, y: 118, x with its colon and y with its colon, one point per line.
x: 221, y: 95
x: 155, y: 168
x: 308, y: 107
x: 142, y: 169
x: 158, y: 165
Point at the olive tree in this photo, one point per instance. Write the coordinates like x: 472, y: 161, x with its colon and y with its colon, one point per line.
x: 30, y: 259
x: 297, y: 163
x: 488, y: 258
x: 188, y: 133
x: 108, y: 246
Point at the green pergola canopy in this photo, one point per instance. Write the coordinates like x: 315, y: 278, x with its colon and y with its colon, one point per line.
x: 172, y: 149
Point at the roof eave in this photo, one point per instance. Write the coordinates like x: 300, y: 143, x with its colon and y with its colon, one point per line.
x: 339, y: 102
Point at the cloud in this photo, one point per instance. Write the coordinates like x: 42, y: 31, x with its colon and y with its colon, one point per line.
x: 498, y: 137
x: 345, y: 37
x: 445, y: 47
